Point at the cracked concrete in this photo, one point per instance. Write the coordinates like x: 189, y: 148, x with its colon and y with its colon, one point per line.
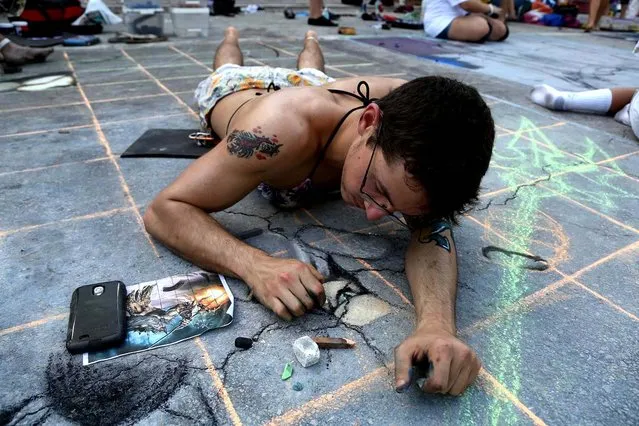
x: 566, y: 193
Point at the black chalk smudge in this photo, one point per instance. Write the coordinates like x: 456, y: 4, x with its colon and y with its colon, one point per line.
x: 538, y: 263
x: 112, y: 392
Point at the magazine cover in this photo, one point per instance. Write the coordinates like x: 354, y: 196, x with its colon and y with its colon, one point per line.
x: 170, y: 310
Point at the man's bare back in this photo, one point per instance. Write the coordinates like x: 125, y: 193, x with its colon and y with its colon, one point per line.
x: 286, y: 112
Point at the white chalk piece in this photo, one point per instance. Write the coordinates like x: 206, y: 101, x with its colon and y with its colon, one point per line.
x: 306, y: 351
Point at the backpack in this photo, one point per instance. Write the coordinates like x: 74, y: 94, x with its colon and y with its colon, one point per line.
x: 48, y: 18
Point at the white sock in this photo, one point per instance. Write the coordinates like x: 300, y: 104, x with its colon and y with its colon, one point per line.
x: 623, y: 115
x: 595, y: 101
x: 634, y: 114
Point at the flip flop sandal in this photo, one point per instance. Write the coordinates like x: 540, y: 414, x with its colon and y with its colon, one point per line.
x: 129, y: 38
x: 43, y: 83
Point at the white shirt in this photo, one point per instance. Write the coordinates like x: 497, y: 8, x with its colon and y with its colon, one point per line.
x: 438, y: 14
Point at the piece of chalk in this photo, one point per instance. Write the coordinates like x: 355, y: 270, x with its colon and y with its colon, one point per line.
x: 333, y: 343
x: 243, y: 342
x: 288, y: 371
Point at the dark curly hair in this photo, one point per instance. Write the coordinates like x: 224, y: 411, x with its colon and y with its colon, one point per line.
x: 444, y: 132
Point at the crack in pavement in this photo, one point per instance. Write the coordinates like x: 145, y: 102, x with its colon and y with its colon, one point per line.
x: 7, y: 414
x: 31, y: 413
x: 517, y: 189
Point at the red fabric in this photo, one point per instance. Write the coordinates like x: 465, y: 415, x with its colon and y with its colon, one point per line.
x: 66, y: 13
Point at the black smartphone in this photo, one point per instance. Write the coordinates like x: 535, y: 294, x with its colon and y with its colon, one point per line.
x: 98, y: 317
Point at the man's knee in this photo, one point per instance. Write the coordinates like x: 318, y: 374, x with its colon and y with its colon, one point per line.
x: 481, y: 30
x: 499, y: 31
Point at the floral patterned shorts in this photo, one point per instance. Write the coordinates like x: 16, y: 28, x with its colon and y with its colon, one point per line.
x: 230, y: 78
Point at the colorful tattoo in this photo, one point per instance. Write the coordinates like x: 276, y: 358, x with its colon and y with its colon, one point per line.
x: 244, y: 144
x: 435, y: 229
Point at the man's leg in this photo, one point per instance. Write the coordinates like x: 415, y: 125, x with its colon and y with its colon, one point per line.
x: 593, y: 14
x: 600, y: 101
x: 604, y: 9
x: 14, y: 54
x: 475, y: 28
x: 311, y: 55
x: 315, y: 17
x: 228, y: 52
x: 499, y: 29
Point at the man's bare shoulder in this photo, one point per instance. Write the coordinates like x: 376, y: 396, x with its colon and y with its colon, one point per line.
x: 278, y: 129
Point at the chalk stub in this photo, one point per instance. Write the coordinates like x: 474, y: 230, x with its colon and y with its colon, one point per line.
x: 288, y: 371
x: 306, y: 351
x: 334, y: 342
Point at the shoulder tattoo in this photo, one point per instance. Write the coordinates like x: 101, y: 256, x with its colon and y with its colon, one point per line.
x: 245, y: 144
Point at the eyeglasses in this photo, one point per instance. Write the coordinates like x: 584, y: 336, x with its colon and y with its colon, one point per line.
x: 370, y: 199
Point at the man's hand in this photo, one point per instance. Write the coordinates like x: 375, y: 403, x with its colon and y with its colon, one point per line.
x: 454, y: 365
x: 286, y: 286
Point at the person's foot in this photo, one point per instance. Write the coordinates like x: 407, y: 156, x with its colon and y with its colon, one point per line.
x: 548, y: 97
x: 590, y: 27
x: 633, y: 112
x: 311, y: 35
x: 231, y: 33
x: 330, y: 15
x: 14, y: 54
x: 321, y: 22
x: 623, y: 115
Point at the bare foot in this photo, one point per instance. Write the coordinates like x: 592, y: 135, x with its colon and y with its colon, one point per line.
x: 231, y: 33
x: 14, y: 54
x: 311, y: 35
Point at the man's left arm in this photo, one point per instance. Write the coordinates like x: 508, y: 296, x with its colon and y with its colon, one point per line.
x: 431, y: 269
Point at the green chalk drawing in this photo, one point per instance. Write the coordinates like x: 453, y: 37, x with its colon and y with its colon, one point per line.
x: 521, y: 161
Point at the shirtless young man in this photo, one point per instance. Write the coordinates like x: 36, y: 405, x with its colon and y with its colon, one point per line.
x: 418, y: 148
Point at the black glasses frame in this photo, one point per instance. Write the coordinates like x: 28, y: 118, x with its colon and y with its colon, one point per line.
x: 369, y: 198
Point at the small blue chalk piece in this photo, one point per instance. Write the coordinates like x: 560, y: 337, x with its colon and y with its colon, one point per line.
x: 82, y: 40
x: 297, y: 386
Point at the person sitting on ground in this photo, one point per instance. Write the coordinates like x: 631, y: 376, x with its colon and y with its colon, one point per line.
x: 464, y: 20
x: 13, y: 54
x: 418, y: 148
x: 621, y: 101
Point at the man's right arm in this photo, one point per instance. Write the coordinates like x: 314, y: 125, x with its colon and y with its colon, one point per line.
x: 179, y: 218
x: 179, y: 215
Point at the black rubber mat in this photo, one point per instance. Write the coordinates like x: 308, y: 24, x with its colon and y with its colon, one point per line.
x: 166, y: 143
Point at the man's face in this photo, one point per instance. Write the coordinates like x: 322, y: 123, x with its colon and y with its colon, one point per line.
x: 387, y: 187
